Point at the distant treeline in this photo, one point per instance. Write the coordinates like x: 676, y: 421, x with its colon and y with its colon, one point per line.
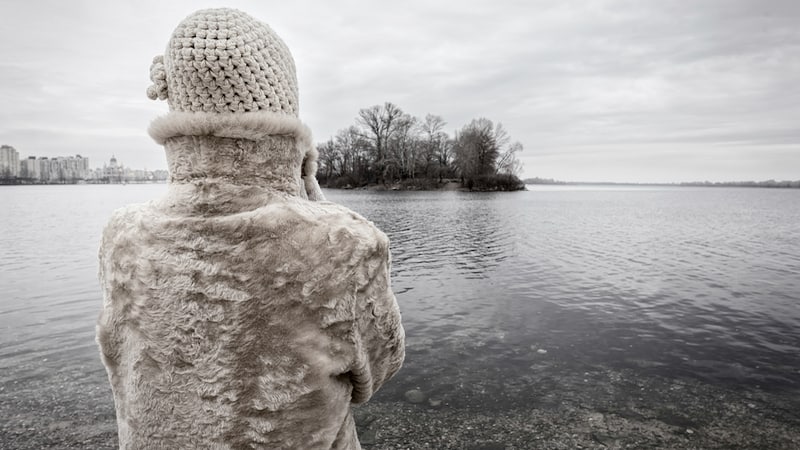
x: 389, y: 147
x: 538, y: 180
x: 764, y: 184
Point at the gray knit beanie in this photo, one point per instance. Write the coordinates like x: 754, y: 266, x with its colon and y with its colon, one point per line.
x: 226, y: 74
x: 225, y: 61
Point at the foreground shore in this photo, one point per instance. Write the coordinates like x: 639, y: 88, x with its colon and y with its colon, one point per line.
x: 603, y: 409
x: 598, y: 409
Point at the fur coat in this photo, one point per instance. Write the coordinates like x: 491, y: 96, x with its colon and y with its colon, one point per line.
x: 242, y: 310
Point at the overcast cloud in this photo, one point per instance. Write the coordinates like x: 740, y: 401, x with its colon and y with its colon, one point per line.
x: 595, y: 90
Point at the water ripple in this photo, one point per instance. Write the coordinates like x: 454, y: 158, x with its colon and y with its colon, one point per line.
x: 679, y: 282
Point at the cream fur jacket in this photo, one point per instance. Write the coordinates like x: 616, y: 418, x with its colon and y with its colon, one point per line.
x: 241, y: 310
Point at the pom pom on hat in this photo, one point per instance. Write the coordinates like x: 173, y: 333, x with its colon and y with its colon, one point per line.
x: 158, y: 91
x: 225, y: 61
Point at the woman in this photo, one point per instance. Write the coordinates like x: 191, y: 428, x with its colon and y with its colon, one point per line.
x: 241, y: 310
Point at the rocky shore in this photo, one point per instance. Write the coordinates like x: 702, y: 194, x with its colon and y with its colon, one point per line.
x: 600, y: 409
x: 683, y: 421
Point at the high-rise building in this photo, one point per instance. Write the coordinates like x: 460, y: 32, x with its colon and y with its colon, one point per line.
x: 44, y: 169
x: 9, y: 162
x: 29, y: 169
x: 73, y: 168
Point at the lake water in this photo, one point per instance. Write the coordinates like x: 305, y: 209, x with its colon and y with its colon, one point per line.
x: 507, y: 298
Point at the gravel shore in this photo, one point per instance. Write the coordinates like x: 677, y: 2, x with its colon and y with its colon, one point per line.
x: 601, y: 409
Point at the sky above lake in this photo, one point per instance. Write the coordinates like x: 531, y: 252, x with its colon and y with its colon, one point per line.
x: 595, y: 90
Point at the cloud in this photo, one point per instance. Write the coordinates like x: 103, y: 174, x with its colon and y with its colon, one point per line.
x: 580, y: 83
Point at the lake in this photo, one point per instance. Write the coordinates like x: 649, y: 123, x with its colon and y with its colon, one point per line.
x: 647, y: 316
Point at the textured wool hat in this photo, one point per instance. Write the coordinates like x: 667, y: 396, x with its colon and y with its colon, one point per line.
x: 225, y: 74
x: 225, y: 61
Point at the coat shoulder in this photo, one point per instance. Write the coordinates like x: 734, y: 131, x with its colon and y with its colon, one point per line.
x: 335, y: 223
x: 332, y: 240
x: 123, y: 223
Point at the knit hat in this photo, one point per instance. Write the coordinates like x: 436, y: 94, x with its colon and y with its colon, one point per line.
x: 227, y: 75
x: 225, y: 61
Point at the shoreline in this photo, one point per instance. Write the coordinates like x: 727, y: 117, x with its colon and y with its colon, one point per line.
x: 770, y: 184
x: 553, y: 408
x: 446, y: 186
x: 423, y: 185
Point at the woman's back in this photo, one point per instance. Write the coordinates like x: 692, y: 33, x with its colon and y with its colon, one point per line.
x: 241, y: 310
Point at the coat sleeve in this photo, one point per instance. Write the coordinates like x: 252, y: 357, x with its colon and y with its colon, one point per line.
x: 378, y: 333
x: 107, y: 336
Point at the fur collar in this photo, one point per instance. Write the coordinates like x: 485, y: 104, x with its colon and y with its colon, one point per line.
x: 253, y: 126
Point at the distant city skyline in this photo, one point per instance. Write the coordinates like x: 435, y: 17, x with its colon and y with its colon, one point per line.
x: 15, y: 168
x: 106, y: 162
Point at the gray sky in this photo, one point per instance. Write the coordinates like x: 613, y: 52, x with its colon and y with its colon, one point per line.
x: 639, y: 90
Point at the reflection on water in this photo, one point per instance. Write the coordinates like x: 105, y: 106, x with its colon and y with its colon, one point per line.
x: 498, y: 289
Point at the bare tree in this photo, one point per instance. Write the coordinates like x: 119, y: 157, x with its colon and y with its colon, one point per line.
x: 476, y: 148
x: 379, y: 124
x: 329, y: 160
x: 508, y: 163
x: 403, y: 148
x: 437, y: 148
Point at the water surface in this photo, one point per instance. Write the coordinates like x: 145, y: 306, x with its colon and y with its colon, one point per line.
x: 502, y: 294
